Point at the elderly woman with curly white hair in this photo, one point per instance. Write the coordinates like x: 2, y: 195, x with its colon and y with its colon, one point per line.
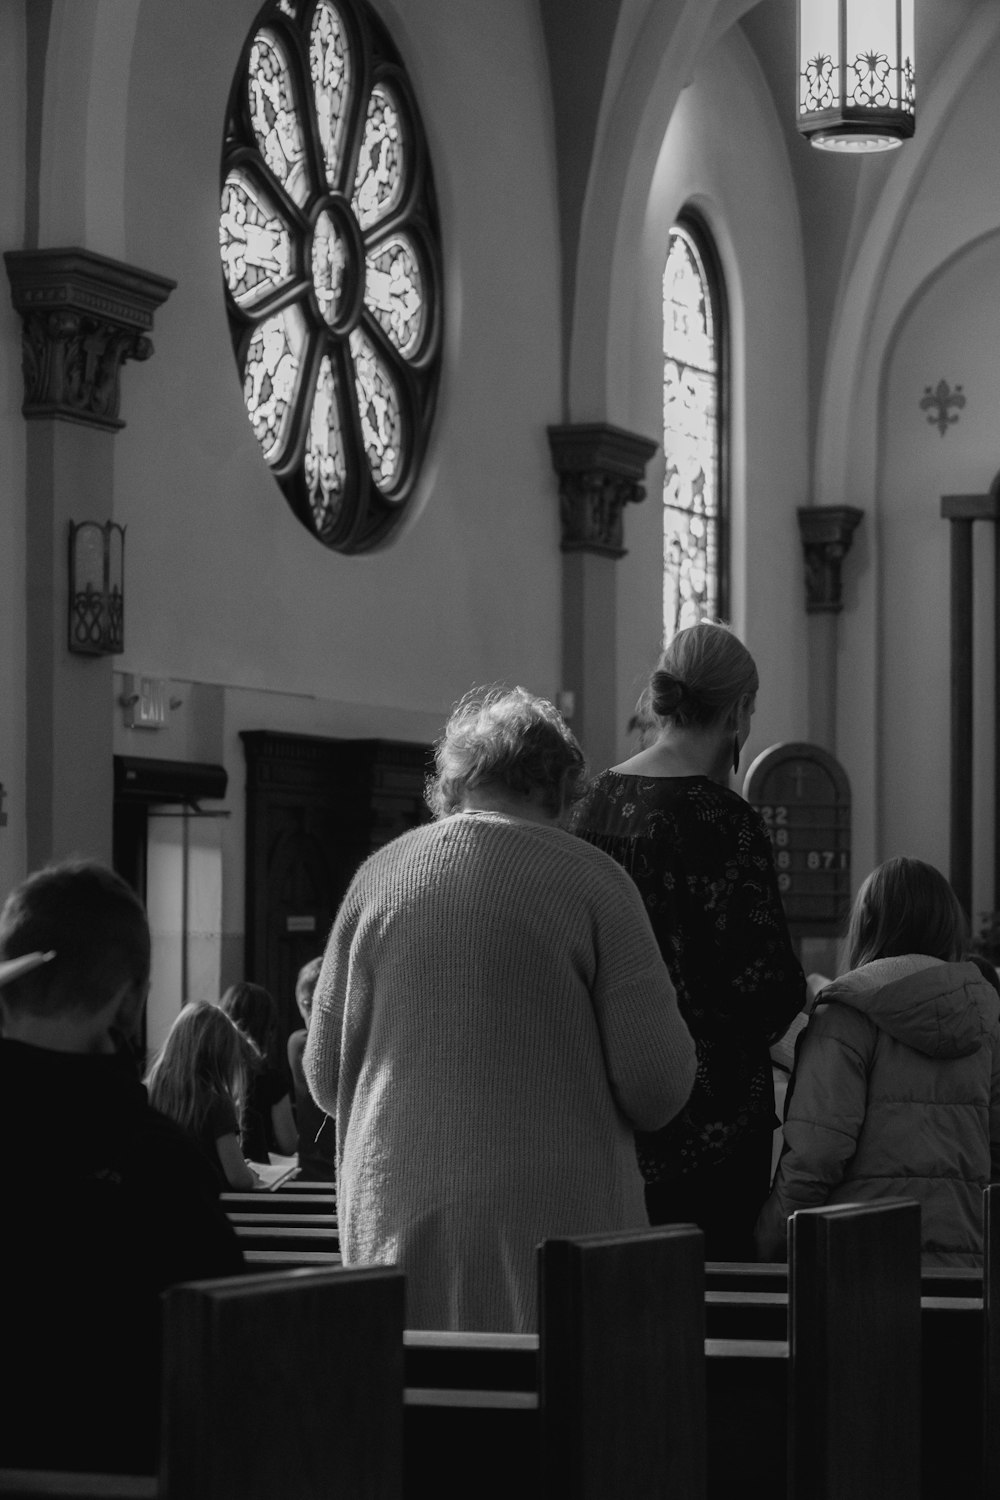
x: 492, y: 1021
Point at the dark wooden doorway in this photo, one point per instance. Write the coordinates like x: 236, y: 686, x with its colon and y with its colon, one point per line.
x: 314, y: 809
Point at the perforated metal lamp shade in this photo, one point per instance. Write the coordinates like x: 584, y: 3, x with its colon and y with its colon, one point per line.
x: 96, y: 588
x: 856, y: 73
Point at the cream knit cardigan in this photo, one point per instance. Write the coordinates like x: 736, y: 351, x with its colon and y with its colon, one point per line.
x: 492, y: 1019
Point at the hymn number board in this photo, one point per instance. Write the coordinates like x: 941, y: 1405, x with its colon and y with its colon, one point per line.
x: 804, y: 798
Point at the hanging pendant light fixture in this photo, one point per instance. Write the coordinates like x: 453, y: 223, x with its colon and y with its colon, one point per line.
x: 856, y: 73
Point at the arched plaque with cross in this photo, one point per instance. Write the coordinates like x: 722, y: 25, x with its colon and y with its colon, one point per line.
x: 804, y: 798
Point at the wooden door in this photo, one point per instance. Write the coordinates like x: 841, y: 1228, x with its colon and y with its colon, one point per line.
x: 315, y: 808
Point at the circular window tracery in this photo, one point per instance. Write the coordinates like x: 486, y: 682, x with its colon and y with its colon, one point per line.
x: 331, y: 262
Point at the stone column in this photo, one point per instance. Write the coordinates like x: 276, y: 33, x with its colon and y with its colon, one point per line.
x: 962, y: 511
x: 82, y: 317
x: 826, y: 532
x: 600, y: 470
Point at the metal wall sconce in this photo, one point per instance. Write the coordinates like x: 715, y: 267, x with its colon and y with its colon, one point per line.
x: 96, y: 588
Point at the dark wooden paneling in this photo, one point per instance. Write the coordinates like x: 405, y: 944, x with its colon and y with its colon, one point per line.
x: 623, y: 1367
x: 854, y: 1335
x: 287, y: 1385
x: 315, y: 808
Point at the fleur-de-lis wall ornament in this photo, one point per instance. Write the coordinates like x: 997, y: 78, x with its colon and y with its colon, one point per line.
x: 939, y: 400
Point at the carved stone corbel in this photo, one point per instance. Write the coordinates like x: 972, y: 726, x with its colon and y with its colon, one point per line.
x: 600, y: 470
x: 826, y: 531
x: 82, y: 317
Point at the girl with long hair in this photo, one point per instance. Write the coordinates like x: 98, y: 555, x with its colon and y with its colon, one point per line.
x: 268, y: 1118
x: 896, y: 1086
x: 199, y: 1079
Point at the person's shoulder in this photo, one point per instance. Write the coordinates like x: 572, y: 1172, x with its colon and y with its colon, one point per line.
x: 703, y: 790
x: 605, y: 784
x: 543, y: 846
x: 841, y: 1015
x: 396, y: 854
x: 609, y: 805
x: 711, y: 804
x: 381, y: 869
x: 595, y: 869
x: 221, y: 1117
x: 181, y: 1191
x: 172, y: 1149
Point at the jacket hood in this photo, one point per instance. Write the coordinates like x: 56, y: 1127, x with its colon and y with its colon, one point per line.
x: 939, y: 1009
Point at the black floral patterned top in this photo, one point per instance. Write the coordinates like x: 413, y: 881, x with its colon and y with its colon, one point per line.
x: 702, y: 859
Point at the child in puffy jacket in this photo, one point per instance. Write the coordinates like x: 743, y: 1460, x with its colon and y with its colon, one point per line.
x: 896, y: 1086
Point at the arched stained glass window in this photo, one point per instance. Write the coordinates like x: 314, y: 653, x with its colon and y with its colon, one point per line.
x: 694, y: 510
x: 331, y: 262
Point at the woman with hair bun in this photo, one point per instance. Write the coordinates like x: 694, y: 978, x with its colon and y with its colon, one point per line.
x: 701, y: 858
x: 491, y: 1022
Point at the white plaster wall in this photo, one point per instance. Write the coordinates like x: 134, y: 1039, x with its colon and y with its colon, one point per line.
x: 227, y: 596
x: 951, y: 332
x: 723, y: 151
x: 84, y: 133
x: 943, y: 195
x: 227, y: 586
x: 12, y: 465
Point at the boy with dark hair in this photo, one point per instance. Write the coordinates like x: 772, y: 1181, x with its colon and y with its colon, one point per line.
x: 108, y: 1203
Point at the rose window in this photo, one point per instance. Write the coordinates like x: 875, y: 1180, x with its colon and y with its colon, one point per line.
x: 331, y: 260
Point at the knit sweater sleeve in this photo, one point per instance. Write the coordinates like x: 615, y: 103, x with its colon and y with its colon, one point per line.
x: 648, y: 1049
x: 321, y: 1058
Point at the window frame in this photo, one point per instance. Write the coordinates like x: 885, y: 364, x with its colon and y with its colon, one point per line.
x: 694, y: 225
x: 367, y: 515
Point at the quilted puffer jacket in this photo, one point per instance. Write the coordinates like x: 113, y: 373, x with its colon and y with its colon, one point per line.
x: 895, y: 1094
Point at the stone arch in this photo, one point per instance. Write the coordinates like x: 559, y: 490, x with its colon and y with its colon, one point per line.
x: 661, y: 55
x: 846, y: 446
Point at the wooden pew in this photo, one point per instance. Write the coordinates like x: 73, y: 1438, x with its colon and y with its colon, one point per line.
x: 285, y: 1237
x: 951, y: 1379
x: 285, y: 1229
x: 323, y: 1222
x: 840, y: 1414
x: 854, y: 1337
x: 280, y: 1202
x: 960, y: 1424
x: 292, y: 1259
x: 772, y: 1276
x: 770, y: 1402
x: 607, y: 1401
x: 285, y: 1386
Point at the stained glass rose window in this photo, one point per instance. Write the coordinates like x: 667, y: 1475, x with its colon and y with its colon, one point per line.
x: 331, y: 262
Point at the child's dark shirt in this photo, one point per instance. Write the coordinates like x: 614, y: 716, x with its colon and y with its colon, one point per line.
x: 264, y: 1091
x: 107, y: 1204
x: 317, y: 1132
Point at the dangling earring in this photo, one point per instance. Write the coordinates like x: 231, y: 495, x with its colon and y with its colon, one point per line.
x: 736, y: 753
